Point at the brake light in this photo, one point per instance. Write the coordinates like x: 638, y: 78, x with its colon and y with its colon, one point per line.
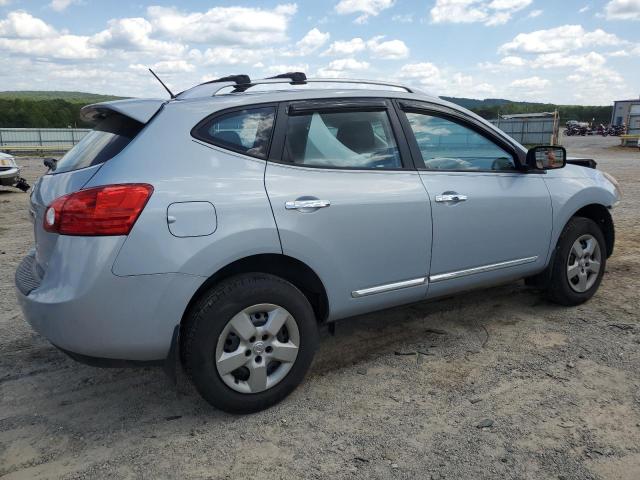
x: 105, y: 210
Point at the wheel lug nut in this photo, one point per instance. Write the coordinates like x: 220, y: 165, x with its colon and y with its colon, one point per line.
x: 247, y: 353
x: 264, y: 337
x: 258, y: 359
x: 252, y: 339
x: 269, y: 349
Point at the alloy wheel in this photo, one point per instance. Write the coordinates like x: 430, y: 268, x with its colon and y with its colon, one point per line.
x: 584, y: 263
x: 257, y: 348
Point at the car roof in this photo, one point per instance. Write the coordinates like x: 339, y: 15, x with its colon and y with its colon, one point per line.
x: 294, y: 94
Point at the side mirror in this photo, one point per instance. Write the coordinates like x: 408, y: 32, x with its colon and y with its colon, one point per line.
x: 546, y: 157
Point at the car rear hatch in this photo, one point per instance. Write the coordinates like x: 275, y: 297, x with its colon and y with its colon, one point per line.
x: 116, y: 125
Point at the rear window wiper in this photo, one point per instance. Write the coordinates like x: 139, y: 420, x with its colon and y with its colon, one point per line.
x: 50, y: 163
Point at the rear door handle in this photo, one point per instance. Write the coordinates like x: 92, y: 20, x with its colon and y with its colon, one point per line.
x: 451, y: 197
x: 306, y: 204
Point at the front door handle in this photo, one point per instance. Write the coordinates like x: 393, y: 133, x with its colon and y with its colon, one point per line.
x: 306, y: 204
x: 451, y: 197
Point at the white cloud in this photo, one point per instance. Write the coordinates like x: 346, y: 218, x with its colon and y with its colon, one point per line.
x: 619, y: 53
x: 20, y: 24
x: 166, y: 66
x: 423, y: 71
x: 23, y: 34
x: 403, y: 18
x: 367, y: 8
x: 496, y: 12
x: 584, y: 9
x: 342, y: 67
x: 535, y: 13
x: 229, y: 55
x: 224, y: 25
x: 60, y: 5
x: 622, y: 10
x: 133, y: 34
x: 443, y: 82
x: 4, y: 3
x: 348, y: 64
x: 498, y: 18
x: 513, y: 61
x: 64, y: 47
x: 564, y: 38
x: 590, y: 62
x: 532, y: 83
x: 277, y: 69
x: 312, y: 41
x: 389, y: 50
x: 346, y: 47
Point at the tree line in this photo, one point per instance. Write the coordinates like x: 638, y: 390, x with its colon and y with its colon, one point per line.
x: 55, y: 113
x: 59, y: 113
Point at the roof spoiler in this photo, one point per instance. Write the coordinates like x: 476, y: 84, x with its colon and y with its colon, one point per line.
x: 140, y: 110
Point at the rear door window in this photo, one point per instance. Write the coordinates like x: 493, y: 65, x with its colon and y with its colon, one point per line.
x: 349, y: 139
x: 245, y: 131
x: 105, y: 141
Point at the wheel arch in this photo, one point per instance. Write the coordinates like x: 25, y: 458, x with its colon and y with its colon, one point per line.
x: 601, y: 216
x: 291, y: 269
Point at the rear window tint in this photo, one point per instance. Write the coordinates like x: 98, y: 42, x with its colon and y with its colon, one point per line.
x: 105, y: 141
x: 246, y: 131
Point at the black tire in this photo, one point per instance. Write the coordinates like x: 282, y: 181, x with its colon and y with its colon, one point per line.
x: 559, y: 289
x: 207, y: 319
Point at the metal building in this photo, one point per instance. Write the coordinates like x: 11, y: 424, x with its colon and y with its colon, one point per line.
x: 623, y: 109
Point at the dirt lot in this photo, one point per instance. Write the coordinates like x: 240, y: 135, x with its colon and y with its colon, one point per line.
x: 561, y: 386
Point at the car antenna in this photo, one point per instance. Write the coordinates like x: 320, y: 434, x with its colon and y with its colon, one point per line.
x: 162, y: 83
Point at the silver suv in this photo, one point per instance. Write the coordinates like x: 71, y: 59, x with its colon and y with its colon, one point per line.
x: 220, y: 230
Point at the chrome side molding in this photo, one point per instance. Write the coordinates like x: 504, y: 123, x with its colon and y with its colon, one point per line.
x: 389, y: 287
x: 484, y: 268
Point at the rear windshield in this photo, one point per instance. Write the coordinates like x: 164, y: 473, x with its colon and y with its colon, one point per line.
x: 105, y: 141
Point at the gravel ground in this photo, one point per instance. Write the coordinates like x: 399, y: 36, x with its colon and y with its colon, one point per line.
x: 558, y: 388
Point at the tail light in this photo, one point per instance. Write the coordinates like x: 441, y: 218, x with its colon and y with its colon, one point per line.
x: 105, y: 210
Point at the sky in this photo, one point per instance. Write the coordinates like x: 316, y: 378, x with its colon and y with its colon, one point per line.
x: 561, y: 51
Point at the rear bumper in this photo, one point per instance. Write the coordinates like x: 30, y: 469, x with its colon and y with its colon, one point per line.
x: 84, y: 309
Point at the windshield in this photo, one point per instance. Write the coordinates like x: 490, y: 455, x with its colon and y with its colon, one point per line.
x: 105, y: 141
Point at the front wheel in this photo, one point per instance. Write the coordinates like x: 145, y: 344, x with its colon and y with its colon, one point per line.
x: 249, y: 342
x: 579, y: 262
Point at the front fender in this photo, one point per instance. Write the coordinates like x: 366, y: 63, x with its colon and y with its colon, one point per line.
x: 570, y: 194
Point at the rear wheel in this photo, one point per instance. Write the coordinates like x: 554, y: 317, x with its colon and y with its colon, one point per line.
x: 579, y: 262
x: 249, y: 342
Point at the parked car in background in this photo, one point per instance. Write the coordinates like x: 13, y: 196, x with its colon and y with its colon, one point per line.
x: 222, y: 229
x: 10, y: 173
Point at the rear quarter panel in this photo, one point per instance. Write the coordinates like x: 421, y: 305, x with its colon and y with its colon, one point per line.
x: 182, y: 169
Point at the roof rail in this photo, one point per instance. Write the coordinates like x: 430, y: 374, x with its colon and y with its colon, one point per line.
x: 229, y: 80
x: 241, y: 83
x: 237, y: 79
x: 293, y: 79
x: 297, y: 78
